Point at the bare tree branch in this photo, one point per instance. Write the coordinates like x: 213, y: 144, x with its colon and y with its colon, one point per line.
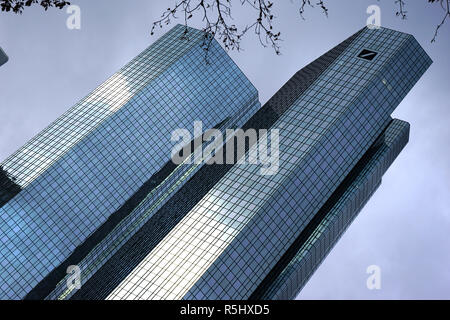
x: 401, y: 12
x: 217, y: 17
x: 305, y: 3
x: 17, y: 6
x: 445, y: 5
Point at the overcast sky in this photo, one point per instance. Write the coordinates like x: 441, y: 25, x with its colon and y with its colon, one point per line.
x: 404, y: 229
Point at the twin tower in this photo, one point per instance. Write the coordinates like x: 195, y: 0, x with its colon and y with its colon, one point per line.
x: 94, y: 208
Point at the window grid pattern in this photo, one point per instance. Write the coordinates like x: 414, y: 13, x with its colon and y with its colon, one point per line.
x: 232, y: 238
x: 262, y: 119
x: 155, y: 229
x: 27, y: 163
x: 360, y: 116
x: 168, y: 86
x: 142, y: 213
x: 312, y: 252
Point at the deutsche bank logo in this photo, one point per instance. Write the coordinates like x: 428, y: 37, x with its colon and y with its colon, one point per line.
x: 367, y: 55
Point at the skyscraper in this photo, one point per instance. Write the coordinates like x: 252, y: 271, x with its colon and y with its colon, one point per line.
x: 84, y: 192
x: 79, y: 189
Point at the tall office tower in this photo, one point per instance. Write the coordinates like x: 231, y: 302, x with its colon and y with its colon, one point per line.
x: 3, y: 57
x: 74, y: 194
x: 231, y: 232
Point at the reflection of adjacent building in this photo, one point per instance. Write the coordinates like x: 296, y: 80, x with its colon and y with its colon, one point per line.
x: 93, y: 176
x: 3, y: 57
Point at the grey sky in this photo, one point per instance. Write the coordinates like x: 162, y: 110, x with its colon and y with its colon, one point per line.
x: 405, y: 228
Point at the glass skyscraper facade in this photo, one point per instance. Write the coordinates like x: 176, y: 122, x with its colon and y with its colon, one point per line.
x: 80, y: 188
x: 97, y: 188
